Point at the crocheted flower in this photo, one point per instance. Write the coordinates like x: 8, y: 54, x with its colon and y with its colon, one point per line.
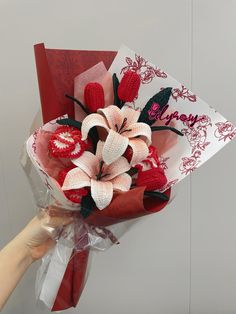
x: 94, y: 96
x: 123, y: 131
x: 150, y: 172
x: 153, y: 179
x: 66, y: 142
x: 103, y: 179
x: 129, y: 86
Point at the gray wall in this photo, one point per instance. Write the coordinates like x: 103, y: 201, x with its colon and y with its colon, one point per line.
x: 182, y: 260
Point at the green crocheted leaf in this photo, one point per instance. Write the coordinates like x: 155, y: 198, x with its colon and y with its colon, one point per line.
x: 116, y: 83
x: 161, y: 99
x: 87, y: 205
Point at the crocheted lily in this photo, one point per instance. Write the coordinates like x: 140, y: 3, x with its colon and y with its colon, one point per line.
x: 91, y: 171
x: 123, y: 131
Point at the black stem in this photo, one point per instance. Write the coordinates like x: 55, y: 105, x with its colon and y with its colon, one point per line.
x: 78, y: 103
x: 132, y: 171
x: 70, y: 122
x: 116, y: 83
x: 164, y: 128
x: 160, y: 195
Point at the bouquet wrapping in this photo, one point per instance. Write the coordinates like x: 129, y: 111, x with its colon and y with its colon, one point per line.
x: 117, y: 134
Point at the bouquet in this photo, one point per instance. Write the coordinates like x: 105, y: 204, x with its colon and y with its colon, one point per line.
x: 118, y: 134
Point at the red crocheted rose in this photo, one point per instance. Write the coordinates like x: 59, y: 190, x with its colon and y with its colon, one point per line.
x: 94, y: 96
x: 129, y: 86
x: 66, y: 142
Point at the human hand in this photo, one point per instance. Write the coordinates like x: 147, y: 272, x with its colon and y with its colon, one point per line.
x: 32, y: 243
x: 38, y: 237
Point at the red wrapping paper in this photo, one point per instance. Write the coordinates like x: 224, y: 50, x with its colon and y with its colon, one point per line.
x: 119, y: 210
x: 56, y: 70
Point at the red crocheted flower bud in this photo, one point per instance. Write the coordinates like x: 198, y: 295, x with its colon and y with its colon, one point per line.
x: 94, y: 96
x: 129, y: 86
x: 153, y: 179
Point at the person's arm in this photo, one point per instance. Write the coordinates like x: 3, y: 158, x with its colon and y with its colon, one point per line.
x: 29, y: 245
x: 14, y: 261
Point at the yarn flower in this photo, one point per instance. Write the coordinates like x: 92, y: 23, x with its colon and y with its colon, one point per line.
x: 66, y: 142
x: 123, y: 131
x: 153, y: 179
x: 129, y: 86
x: 94, y: 96
x: 150, y: 172
x: 91, y: 171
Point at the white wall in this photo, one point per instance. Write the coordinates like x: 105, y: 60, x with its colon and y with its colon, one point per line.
x: 182, y: 260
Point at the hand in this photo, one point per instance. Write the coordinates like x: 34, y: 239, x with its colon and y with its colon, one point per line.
x: 38, y: 236
x: 29, y: 245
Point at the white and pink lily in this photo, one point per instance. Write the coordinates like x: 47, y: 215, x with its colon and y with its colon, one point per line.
x: 123, y: 131
x: 91, y: 171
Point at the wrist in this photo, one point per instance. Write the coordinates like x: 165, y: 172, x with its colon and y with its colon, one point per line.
x: 23, y: 250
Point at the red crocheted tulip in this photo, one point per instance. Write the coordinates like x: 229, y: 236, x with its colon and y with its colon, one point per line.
x: 94, y: 96
x: 129, y: 86
x: 153, y: 179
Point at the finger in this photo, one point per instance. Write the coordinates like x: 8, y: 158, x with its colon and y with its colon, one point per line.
x: 55, y: 211
x: 55, y: 222
x: 54, y: 216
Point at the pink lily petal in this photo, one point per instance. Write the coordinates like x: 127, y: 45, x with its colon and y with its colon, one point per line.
x: 90, y: 121
x: 99, y: 150
x: 139, y: 129
x: 87, y: 162
x: 130, y: 114
x: 102, y: 193
x: 76, y: 179
x: 122, y: 182
x: 113, y: 116
x: 118, y: 167
x: 114, y: 147
x: 140, y: 150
